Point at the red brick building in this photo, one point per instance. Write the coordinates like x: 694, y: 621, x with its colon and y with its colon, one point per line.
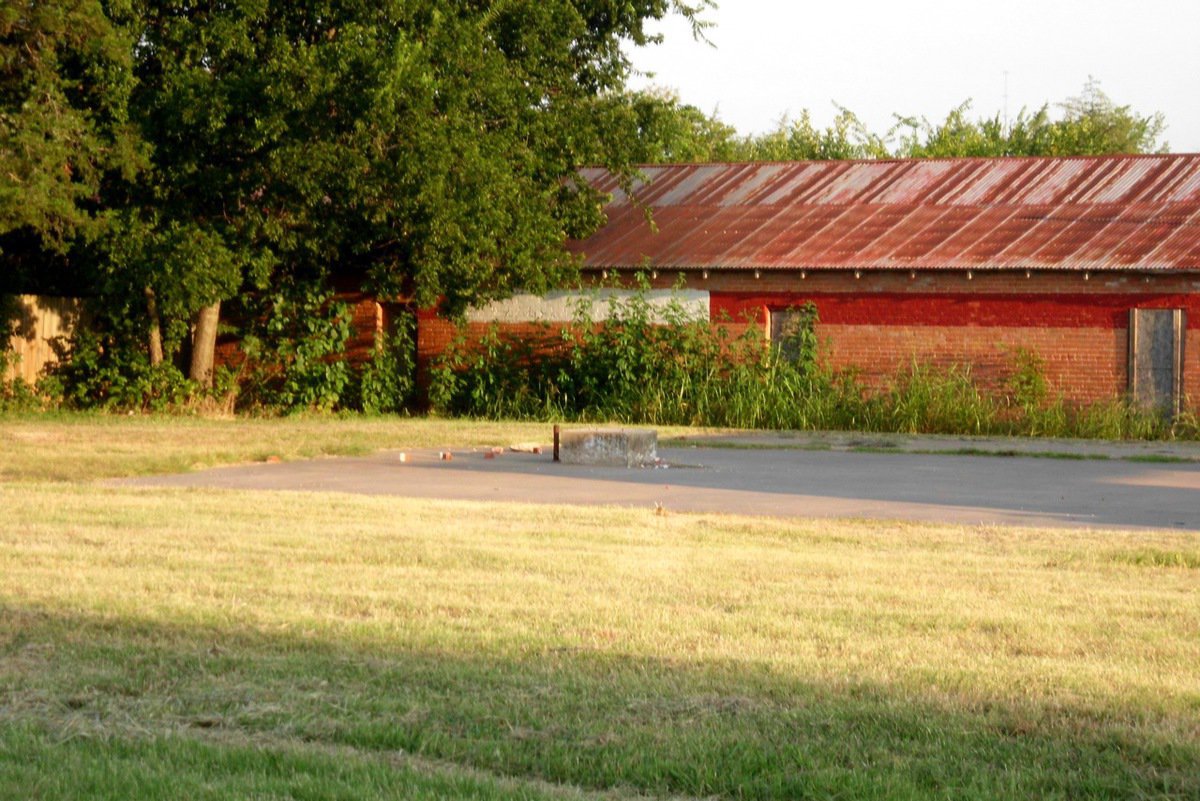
x: 1092, y: 263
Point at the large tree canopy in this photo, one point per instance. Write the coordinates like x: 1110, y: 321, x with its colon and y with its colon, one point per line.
x: 433, y: 144
x: 1089, y: 124
x: 64, y: 84
x: 430, y: 145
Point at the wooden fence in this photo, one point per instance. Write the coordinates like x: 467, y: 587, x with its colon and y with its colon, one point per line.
x: 36, y: 322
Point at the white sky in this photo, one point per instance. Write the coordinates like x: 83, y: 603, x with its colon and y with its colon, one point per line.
x: 923, y: 57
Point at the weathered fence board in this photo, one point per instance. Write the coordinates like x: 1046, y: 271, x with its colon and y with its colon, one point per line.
x: 38, y: 322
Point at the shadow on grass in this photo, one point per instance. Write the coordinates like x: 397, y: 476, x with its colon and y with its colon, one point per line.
x: 38, y: 764
x: 102, y: 688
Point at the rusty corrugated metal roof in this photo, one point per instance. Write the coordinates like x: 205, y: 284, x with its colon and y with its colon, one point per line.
x: 1085, y: 213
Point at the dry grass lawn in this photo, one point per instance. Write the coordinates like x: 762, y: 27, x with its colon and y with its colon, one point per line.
x: 214, y: 644
x: 76, y: 447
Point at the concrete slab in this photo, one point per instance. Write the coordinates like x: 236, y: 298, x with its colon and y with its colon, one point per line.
x: 1151, y: 450
x: 608, y: 447
x: 777, y: 482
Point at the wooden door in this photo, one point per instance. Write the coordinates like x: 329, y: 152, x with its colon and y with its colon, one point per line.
x: 1156, y: 359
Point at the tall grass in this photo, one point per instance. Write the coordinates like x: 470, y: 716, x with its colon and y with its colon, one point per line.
x: 684, y: 371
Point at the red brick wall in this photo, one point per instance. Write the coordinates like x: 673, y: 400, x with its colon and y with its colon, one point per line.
x: 366, y: 320
x: 434, y: 335
x: 1084, y: 364
x: 880, y: 322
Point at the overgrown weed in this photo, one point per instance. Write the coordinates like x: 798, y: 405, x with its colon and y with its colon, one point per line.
x: 679, y: 370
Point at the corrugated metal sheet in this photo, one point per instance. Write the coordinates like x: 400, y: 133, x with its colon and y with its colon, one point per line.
x: 1092, y: 213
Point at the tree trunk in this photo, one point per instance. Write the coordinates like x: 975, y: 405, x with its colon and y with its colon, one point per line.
x: 204, y: 344
x: 156, y: 346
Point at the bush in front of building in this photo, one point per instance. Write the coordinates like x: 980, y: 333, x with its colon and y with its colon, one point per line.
x: 633, y: 368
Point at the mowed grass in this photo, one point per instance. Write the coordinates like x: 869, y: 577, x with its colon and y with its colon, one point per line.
x: 76, y: 447
x: 79, y: 447
x: 217, y: 644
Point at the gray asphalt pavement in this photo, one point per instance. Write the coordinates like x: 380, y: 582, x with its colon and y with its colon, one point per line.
x: 779, y: 482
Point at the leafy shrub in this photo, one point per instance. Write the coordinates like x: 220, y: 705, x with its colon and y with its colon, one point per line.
x: 387, y: 382
x: 630, y: 368
x: 295, y: 350
x: 19, y: 396
x: 689, y: 372
x: 16, y: 395
x: 1027, y: 385
x: 94, y: 371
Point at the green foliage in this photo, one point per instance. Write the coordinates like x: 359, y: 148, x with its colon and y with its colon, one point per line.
x: 434, y: 146
x: 846, y: 138
x: 228, y: 147
x: 1027, y: 384
x: 632, y: 368
x: 669, y: 131
x: 185, y: 264
x: 798, y: 340
x: 295, y: 353
x: 18, y: 396
x: 65, y: 79
x: 387, y: 382
x: 1089, y: 124
x: 94, y: 372
x: 1092, y: 123
x: 925, y: 399
x: 15, y: 394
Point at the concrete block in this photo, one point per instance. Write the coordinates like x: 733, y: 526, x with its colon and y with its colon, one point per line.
x: 609, y: 447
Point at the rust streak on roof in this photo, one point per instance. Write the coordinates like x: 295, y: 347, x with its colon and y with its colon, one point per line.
x: 1085, y: 213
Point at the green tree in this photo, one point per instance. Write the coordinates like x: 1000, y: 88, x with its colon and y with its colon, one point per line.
x: 1090, y: 125
x: 666, y: 130
x: 432, y: 146
x: 846, y: 138
x: 960, y: 136
x: 65, y: 78
x: 669, y: 130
